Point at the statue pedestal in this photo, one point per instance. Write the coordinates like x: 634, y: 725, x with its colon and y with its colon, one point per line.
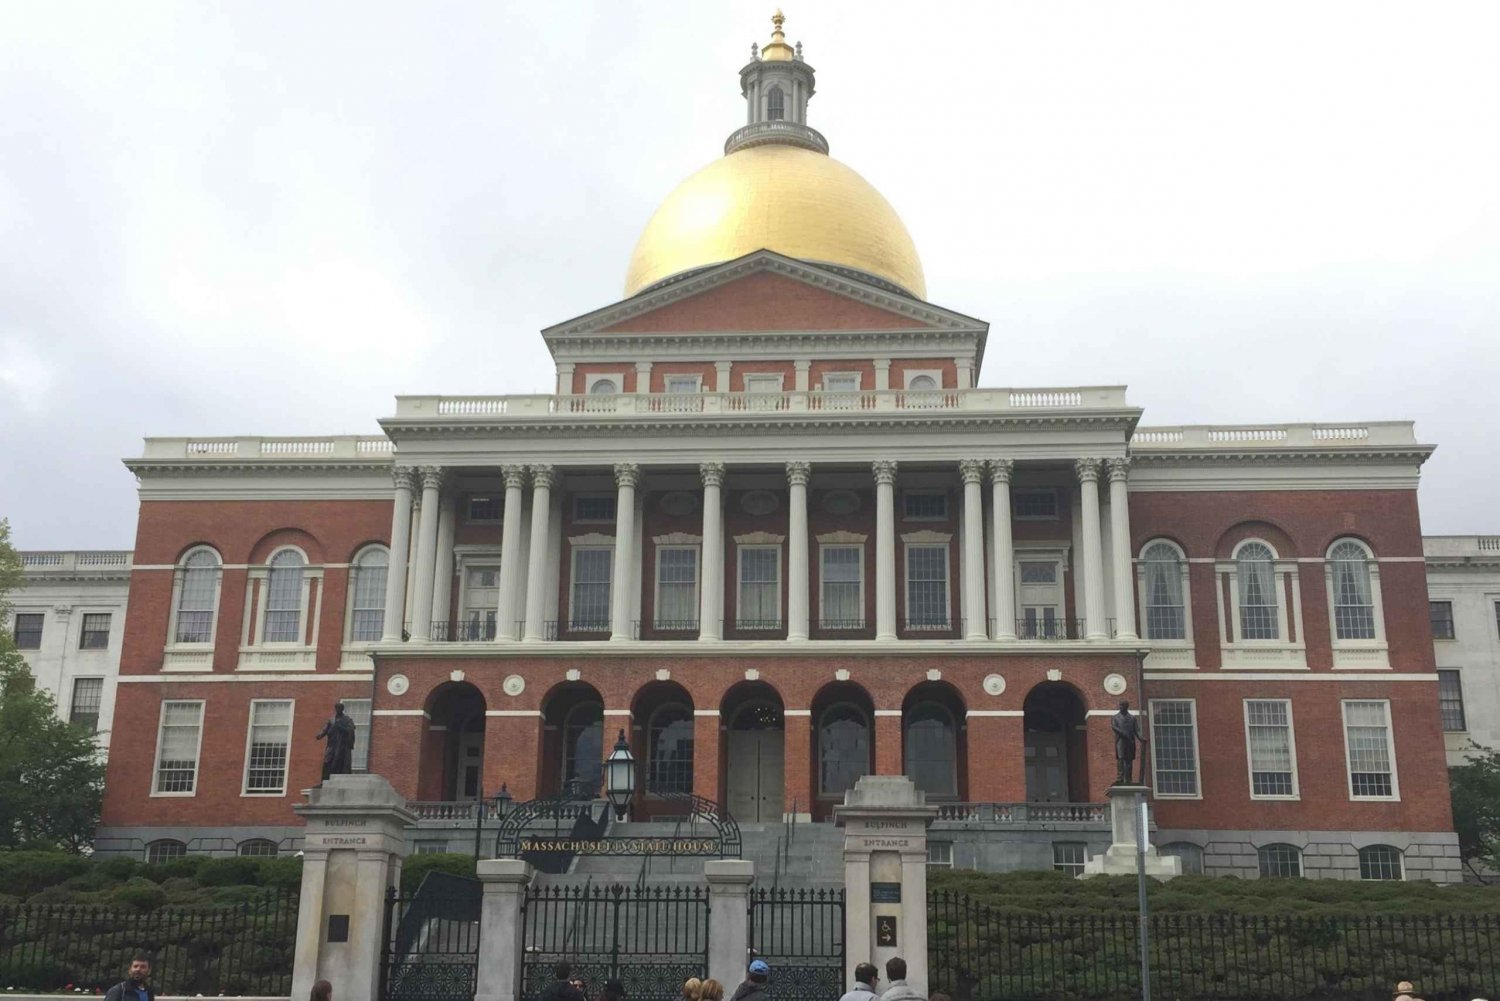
x: 1130, y: 825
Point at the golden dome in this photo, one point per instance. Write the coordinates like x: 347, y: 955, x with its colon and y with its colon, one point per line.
x: 794, y: 201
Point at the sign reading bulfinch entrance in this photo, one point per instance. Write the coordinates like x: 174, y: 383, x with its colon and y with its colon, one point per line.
x: 885, y: 930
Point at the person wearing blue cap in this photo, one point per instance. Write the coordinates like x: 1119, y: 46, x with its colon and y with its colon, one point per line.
x: 754, y: 987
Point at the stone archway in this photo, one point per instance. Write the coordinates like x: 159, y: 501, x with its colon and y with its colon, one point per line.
x: 451, y: 765
x: 754, y: 753
x: 1056, y: 744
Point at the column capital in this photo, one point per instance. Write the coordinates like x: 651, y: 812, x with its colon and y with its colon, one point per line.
x: 882, y: 363
x: 627, y: 474
x: 405, y: 477
x: 885, y: 470
x: 1001, y: 470
x: 798, y: 473
x: 433, y: 477
x: 712, y: 473
x: 1087, y: 470
x: 515, y: 476
x: 1119, y: 470
x: 542, y: 476
x: 972, y: 470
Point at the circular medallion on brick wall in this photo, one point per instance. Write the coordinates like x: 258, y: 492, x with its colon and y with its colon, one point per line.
x: 759, y: 502
x: 678, y: 503
x: 841, y: 502
x: 397, y: 684
x: 1115, y: 684
x: 994, y: 684
x: 514, y: 685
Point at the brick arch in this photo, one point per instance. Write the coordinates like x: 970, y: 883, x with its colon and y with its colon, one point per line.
x: 951, y: 698
x: 364, y: 544
x: 274, y: 540
x: 1278, y: 537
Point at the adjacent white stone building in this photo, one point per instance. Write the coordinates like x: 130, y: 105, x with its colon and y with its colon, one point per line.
x: 1463, y: 587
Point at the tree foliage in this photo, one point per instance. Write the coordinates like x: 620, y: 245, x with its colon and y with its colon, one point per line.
x: 1475, y: 789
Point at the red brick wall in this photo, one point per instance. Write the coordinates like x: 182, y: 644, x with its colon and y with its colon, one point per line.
x: 622, y: 372
x: 948, y: 368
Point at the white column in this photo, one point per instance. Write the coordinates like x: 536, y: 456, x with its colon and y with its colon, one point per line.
x: 395, y: 573
x: 1120, y: 548
x: 964, y: 369
x: 565, y: 379
x: 442, y: 574
x: 972, y: 471
x: 801, y: 378
x: 711, y: 587
x: 421, y: 602
x: 1095, y: 627
x: 627, y: 474
x: 1005, y: 551
x: 721, y: 376
x: 536, y: 564
x: 642, y: 378
x: 509, y: 627
x: 885, y: 549
x: 797, y: 475
x: 882, y: 373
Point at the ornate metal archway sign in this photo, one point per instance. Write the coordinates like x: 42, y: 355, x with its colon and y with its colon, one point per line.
x: 565, y: 823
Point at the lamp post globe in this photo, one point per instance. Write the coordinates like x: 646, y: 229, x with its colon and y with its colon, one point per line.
x: 619, y: 776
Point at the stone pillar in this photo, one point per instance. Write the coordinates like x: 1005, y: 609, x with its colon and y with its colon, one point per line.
x: 565, y: 379
x: 642, y: 378
x: 1095, y: 627
x: 395, y: 574
x: 801, y: 377
x: 442, y: 574
x: 511, y: 579
x: 536, y: 564
x: 885, y: 549
x: 977, y: 626
x: 728, y: 918
x: 711, y: 589
x: 1120, y: 548
x: 797, y: 475
x: 1130, y: 827
x: 627, y: 474
x: 882, y: 373
x: 421, y: 603
x: 501, y: 940
x: 964, y: 369
x: 721, y: 376
x: 885, y: 820
x: 355, y: 841
x: 1005, y: 551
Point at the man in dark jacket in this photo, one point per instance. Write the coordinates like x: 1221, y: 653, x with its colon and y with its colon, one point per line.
x: 134, y: 986
x: 754, y: 987
x: 558, y: 990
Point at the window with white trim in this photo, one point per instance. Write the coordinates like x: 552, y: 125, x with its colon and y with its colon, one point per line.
x: 88, y: 694
x: 1070, y: 857
x: 479, y: 598
x: 1440, y: 613
x: 1255, y: 572
x: 358, y: 711
x: 257, y: 848
x: 1380, y: 862
x: 603, y: 386
x: 1451, y: 700
x: 1367, y: 745
x: 940, y: 854
x: 588, y: 607
x: 1279, y: 861
x: 593, y: 508
x: 841, y: 382
x: 26, y: 629
x: 367, y: 603
x: 1174, y: 735
x: 283, y: 598
x: 1271, y: 747
x: 919, y: 381
x: 684, y: 383
x: 1353, y: 596
x: 762, y: 383
x: 165, y: 850
x: 775, y: 104
x: 841, y: 597
x: 179, y: 738
x: 927, y: 586
x: 1164, y: 591
x: 197, y: 597
x: 760, y: 587
x: 676, y: 587
x: 94, y: 634
x: 266, y: 746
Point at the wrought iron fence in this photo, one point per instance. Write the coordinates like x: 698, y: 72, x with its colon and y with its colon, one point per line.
x: 978, y: 954
x: 801, y: 934
x: 430, y: 945
x: 241, y: 949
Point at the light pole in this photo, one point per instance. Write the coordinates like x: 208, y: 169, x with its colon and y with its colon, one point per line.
x: 619, y: 776
x: 503, y: 800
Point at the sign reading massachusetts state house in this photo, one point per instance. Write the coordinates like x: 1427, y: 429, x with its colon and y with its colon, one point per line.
x: 695, y: 847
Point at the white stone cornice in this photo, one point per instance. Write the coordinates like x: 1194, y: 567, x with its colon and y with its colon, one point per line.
x: 842, y: 538
x: 677, y: 539
x: 759, y: 539
x: 592, y: 539
x: 927, y: 537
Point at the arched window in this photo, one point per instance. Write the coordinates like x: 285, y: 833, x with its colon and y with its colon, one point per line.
x: 922, y: 382
x: 1191, y: 855
x: 843, y: 748
x: 775, y: 105
x: 1353, y: 599
x: 1279, y: 860
x: 284, y: 598
x: 367, y: 616
x: 583, y: 746
x: 1162, y: 593
x: 932, y: 749
x: 197, y: 598
x: 603, y: 387
x: 1255, y: 568
x: 258, y: 847
x: 670, y: 750
x: 1380, y: 862
x: 165, y: 850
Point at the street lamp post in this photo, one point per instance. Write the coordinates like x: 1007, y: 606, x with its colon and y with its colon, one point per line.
x: 619, y: 776
x: 503, y: 800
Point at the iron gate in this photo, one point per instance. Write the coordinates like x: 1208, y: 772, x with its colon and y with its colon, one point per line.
x: 650, y: 937
x: 801, y: 934
x: 430, y: 947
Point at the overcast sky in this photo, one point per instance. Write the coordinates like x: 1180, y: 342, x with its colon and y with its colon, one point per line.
x: 273, y: 217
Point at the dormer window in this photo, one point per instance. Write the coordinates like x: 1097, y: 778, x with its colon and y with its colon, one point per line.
x: 603, y: 387
x: 775, y: 105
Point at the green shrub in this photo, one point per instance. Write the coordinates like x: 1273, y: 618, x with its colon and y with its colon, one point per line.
x: 418, y: 866
x: 229, y: 872
x: 24, y: 873
x: 283, y: 872
x: 187, y: 866
x: 139, y: 893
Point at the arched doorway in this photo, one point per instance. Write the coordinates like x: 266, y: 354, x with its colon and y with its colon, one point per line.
x: 573, y: 749
x: 1056, y: 759
x: 754, y: 753
x: 844, y: 739
x: 662, y: 721
x: 452, y: 766
x: 932, y: 744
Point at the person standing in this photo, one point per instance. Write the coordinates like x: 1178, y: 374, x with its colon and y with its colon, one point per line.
x: 754, y: 987
x: 897, y: 989
x: 866, y: 976
x: 134, y: 987
x: 321, y: 991
x: 560, y: 989
x: 712, y: 991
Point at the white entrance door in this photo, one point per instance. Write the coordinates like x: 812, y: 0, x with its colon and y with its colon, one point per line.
x: 756, y: 775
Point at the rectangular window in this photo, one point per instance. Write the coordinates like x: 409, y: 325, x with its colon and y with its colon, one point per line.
x: 683, y: 383
x: 940, y: 854
x: 84, y: 709
x: 1069, y: 857
x: 924, y: 505
x: 1038, y: 573
x: 677, y: 587
x: 283, y: 598
x: 1451, y: 701
x: 95, y: 632
x: 1367, y: 742
x: 28, y: 630
x: 841, y: 382
x: 178, y: 740
x: 483, y: 507
x: 927, y: 587
x: 841, y: 603
x: 1441, y: 613
x: 596, y: 508
x: 762, y: 383
x: 760, y: 587
x: 481, y: 598
x: 1268, y: 737
x: 1174, y: 735
x: 1034, y: 505
x: 266, y: 755
x: 358, y: 710
x: 589, y: 609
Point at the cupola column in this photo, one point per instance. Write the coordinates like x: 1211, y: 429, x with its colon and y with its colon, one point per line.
x: 536, y: 564
x: 1095, y: 626
x: 885, y: 549
x: 511, y: 566
x: 711, y: 591
x: 427, y: 519
x: 1005, y: 551
x: 972, y: 471
x: 1120, y: 548
x: 627, y: 474
x: 797, y: 475
x: 395, y: 574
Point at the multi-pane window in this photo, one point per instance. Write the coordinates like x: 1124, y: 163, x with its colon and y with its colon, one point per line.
x: 484, y: 507
x: 677, y: 587
x: 95, y: 632
x: 762, y: 383
x: 1279, y: 860
x: 760, y: 587
x: 1268, y: 736
x: 1256, y: 569
x: 358, y: 711
x: 841, y: 605
x: 165, y: 850
x: 1353, y: 601
x: 1034, y: 505
x: 1174, y: 732
x: 195, y: 601
x: 1161, y: 570
x: 257, y: 848
x: 27, y: 630
x: 367, y: 620
x: 589, y: 609
x: 1069, y: 857
x: 1038, y: 572
x: 1451, y: 700
x: 924, y: 505
x: 1380, y: 862
x: 671, y: 751
x: 594, y: 508
x: 683, y: 383
x: 927, y: 587
x: 1367, y: 739
x: 84, y: 709
x: 177, y: 744
x: 1190, y: 854
x: 284, y: 598
x: 940, y: 854
x: 603, y: 387
x: 270, y: 737
x: 583, y: 747
x: 775, y: 105
x: 481, y: 598
x: 1441, y: 614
